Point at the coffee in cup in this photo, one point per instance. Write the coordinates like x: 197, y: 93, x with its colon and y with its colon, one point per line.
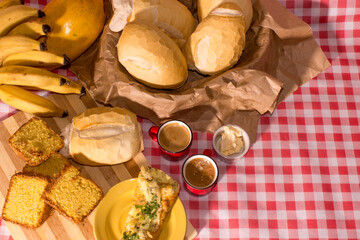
x: 174, y: 137
x: 200, y: 173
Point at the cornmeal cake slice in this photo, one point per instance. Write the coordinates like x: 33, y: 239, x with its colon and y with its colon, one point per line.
x: 73, y: 195
x: 49, y: 168
x: 35, y: 141
x: 155, y: 194
x: 23, y: 203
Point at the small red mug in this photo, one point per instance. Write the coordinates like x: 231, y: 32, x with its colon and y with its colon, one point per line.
x: 205, y: 163
x: 173, y: 137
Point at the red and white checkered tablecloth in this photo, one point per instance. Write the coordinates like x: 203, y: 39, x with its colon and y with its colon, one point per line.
x: 301, y: 178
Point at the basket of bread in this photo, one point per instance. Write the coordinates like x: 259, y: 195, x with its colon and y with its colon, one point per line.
x: 207, y: 63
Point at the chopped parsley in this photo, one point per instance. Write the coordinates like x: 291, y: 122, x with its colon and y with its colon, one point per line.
x: 150, y: 208
x: 130, y: 236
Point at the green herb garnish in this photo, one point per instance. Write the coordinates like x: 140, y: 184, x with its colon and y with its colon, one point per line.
x: 130, y: 236
x: 150, y: 208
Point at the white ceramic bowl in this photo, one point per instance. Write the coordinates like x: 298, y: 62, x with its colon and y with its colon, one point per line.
x: 234, y: 157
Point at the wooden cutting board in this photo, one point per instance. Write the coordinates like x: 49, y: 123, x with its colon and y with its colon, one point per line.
x: 57, y: 226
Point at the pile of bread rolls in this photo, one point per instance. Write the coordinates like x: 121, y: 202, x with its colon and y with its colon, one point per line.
x: 161, y: 39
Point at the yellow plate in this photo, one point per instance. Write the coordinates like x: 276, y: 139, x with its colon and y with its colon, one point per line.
x: 112, y: 211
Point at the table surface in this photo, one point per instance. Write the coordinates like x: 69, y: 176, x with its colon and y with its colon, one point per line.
x: 300, y: 179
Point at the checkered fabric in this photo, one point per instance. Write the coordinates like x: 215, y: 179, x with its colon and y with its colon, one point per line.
x: 300, y: 179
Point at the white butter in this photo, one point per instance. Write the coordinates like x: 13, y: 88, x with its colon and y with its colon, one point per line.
x: 231, y: 141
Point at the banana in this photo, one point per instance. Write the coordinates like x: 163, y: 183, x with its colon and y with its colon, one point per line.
x: 37, y: 59
x: 29, y: 102
x: 7, y: 3
x: 12, y: 16
x: 15, y: 44
x: 40, y: 79
x: 31, y: 29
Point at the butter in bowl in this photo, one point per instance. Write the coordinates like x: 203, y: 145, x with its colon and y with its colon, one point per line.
x: 231, y: 143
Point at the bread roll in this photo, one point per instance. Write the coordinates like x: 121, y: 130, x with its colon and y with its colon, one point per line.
x: 190, y: 4
x: 170, y: 16
x: 105, y: 136
x: 218, y: 41
x: 122, y: 10
x: 206, y: 6
x: 151, y: 56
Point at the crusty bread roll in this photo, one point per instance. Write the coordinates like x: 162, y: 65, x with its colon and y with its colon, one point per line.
x: 171, y: 16
x: 218, y: 41
x: 122, y: 10
x: 190, y: 4
x: 206, y: 6
x: 105, y: 136
x: 151, y: 56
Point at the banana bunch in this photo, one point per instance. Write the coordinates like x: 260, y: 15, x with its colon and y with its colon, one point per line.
x: 16, y: 44
x: 37, y: 78
x: 29, y: 102
x: 33, y: 29
x: 14, y: 15
x: 8, y: 3
x: 25, y: 63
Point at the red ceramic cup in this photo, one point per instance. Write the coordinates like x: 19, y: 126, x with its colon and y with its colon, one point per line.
x: 172, y: 141
x: 193, y: 174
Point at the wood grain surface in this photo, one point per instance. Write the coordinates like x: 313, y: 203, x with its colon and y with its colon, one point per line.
x: 57, y: 226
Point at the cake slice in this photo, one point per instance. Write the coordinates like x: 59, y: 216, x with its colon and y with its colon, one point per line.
x: 35, y: 141
x: 49, y: 168
x: 23, y: 203
x: 73, y: 195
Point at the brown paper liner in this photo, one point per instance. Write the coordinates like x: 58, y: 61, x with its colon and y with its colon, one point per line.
x: 280, y: 55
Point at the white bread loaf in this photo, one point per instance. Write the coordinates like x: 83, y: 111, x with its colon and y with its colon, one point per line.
x: 190, y: 4
x: 105, y: 136
x: 122, y: 10
x: 171, y: 16
x: 151, y: 57
x: 218, y: 41
x: 206, y: 6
